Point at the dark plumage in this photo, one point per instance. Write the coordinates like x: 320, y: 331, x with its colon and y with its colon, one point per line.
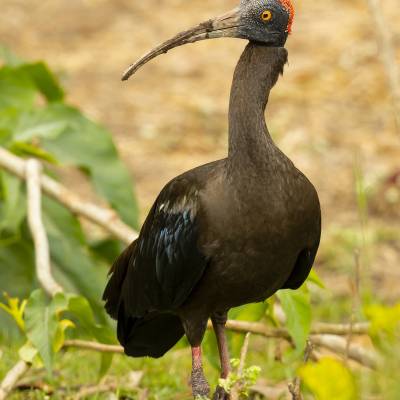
x: 227, y: 233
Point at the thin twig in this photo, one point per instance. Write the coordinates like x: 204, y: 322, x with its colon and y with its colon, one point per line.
x: 101, y: 216
x: 12, y: 378
x: 355, y: 299
x: 388, y: 55
x: 42, y: 253
x: 295, y: 387
x: 243, y: 354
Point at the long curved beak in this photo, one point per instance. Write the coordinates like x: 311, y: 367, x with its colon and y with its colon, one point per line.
x: 223, y: 26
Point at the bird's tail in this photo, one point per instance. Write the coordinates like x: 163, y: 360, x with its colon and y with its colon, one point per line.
x: 152, y: 335
x: 113, y: 290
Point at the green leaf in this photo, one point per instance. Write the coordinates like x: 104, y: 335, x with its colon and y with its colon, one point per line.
x: 296, y: 305
x: 74, y: 266
x: 15, y: 309
x: 23, y: 149
x: 44, y: 80
x: 12, y: 203
x: 107, y: 249
x: 41, y: 319
x: 385, y: 325
x: 59, y: 338
x: 314, y: 278
x: 17, y: 274
x: 329, y: 379
x: 249, y: 312
x: 28, y: 352
x: 41, y: 123
x: 89, y: 146
x: 80, y: 308
x: 16, y: 89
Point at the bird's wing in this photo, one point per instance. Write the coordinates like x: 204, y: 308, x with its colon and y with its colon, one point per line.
x: 160, y: 269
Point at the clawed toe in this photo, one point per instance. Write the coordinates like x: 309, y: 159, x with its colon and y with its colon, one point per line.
x: 220, y: 394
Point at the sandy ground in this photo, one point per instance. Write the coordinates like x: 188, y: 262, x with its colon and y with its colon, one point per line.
x: 331, y: 112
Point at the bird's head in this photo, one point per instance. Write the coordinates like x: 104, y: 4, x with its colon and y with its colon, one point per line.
x: 267, y: 22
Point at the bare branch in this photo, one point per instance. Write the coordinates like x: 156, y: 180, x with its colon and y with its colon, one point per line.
x: 133, y: 382
x: 323, y: 335
x: 355, y: 352
x: 42, y: 253
x: 103, y: 348
x: 317, y: 329
x: 12, y: 377
x: 103, y: 217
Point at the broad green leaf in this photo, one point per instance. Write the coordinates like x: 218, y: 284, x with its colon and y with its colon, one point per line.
x: 17, y: 266
x: 73, y: 264
x: 44, y: 80
x: 17, y: 276
x: 329, y: 379
x: 16, y: 89
x: 89, y: 146
x: 80, y: 308
x: 296, y: 305
x: 8, y: 121
x: 41, y: 326
x: 12, y: 203
x: 40, y: 123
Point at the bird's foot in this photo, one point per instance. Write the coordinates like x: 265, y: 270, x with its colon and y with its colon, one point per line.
x: 200, y: 386
x: 221, y: 394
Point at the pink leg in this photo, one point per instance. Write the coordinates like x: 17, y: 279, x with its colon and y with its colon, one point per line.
x: 200, y: 385
x: 219, y: 321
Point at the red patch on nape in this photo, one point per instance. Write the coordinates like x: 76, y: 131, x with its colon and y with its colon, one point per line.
x: 290, y: 9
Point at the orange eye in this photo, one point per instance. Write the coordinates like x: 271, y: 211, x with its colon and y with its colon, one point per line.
x: 266, y: 15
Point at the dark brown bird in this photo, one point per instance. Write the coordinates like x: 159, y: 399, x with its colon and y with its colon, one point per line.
x: 227, y: 233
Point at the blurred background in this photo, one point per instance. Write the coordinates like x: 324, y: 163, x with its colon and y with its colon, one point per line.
x: 332, y: 112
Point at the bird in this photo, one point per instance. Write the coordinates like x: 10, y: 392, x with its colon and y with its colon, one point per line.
x: 224, y: 234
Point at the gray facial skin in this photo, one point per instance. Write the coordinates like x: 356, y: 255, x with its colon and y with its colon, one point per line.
x: 253, y: 28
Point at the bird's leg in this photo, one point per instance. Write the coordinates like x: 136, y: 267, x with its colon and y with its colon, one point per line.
x: 200, y: 385
x: 219, y: 321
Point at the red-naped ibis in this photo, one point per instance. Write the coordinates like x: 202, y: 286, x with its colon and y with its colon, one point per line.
x: 227, y: 233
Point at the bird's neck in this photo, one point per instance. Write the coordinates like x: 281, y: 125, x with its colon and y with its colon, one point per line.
x: 256, y: 73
